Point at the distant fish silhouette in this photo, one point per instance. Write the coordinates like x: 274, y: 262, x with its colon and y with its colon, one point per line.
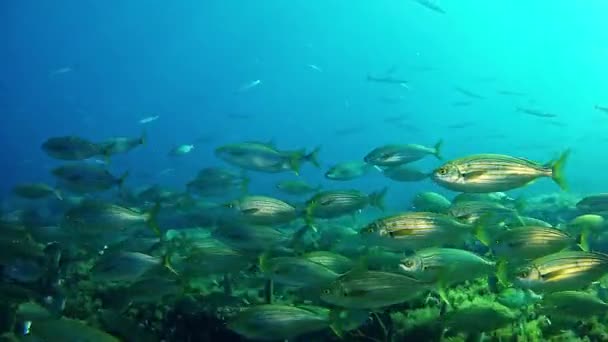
x: 469, y: 93
x: 61, y: 71
x: 149, y: 119
x: 387, y: 79
x: 464, y: 124
x: 248, y: 86
x: 431, y: 5
x: 395, y: 119
x: 536, y: 112
x: 601, y: 109
x: 314, y: 67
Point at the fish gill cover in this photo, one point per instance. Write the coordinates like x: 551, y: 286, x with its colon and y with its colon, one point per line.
x: 427, y: 170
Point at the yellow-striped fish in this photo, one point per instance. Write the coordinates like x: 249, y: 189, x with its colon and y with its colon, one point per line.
x: 264, y: 210
x: 272, y: 321
x: 372, y: 289
x: 496, y: 172
x: 416, y: 230
x: 472, y: 211
x: 528, y: 242
x: 445, y: 266
x: 597, y: 203
x: 562, y: 271
x: 576, y: 304
x: 336, y: 203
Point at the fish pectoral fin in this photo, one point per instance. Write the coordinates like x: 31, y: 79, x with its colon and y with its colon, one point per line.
x: 555, y: 274
x: 400, y: 232
x: 250, y: 211
x: 442, y: 292
x: 327, y: 202
x: 356, y: 293
x: 472, y: 175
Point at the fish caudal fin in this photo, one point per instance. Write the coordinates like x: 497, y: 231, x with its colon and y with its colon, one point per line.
x: 263, y: 261
x: 481, y: 233
x: 167, y: 264
x: 502, y: 272
x: 152, y: 220
x: 437, y: 147
x: 308, y: 215
x: 313, y: 157
x: 377, y: 198
x: 583, y: 239
x: 557, y: 170
x: 295, y: 161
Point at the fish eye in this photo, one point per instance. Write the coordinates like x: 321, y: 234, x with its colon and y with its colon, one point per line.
x: 326, y: 291
x: 524, y: 273
x: 408, y: 263
x: 442, y: 171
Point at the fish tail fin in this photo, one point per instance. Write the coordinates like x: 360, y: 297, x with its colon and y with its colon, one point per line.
x: 342, y: 320
x: 299, y: 235
x: 107, y: 154
x: 557, y: 170
x: 58, y: 194
x: 361, y: 265
x: 313, y: 157
x: 152, y: 220
x: 121, y: 180
x: 443, y: 294
x: 263, y: 261
x: 376, y: 198
x: 583, y: 239
x: 308, y: 217
x: 295, y: 162
x: 481, y: 233
x: 502, y: 272
x: 437, y: 147
x: 335, y: 328
x: 167, y: 264
x: 520, y: 204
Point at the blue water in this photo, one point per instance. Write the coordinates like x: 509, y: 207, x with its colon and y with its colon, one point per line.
x: 183, y: 60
